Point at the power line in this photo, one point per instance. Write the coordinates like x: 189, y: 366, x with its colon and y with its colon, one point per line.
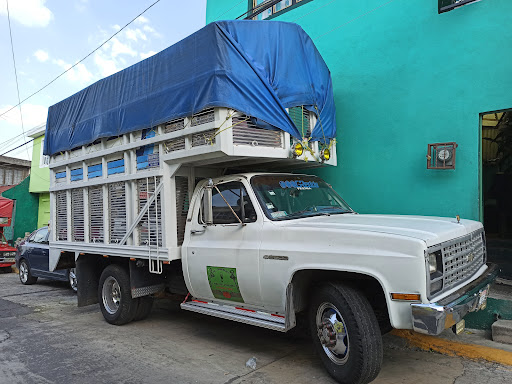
x: 15, y: 72
x: 78, y: 62
x: 354, y: 19
x: 314, y: 10
x: 223, y: 13
x: 19, y: 146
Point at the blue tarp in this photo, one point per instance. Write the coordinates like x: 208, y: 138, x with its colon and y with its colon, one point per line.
x: 256, y: 67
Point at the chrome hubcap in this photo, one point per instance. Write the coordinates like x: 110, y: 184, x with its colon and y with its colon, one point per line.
x: 332, y: 333
x: 23, y: 272
x: 111, y: 295
x: 72, y: 279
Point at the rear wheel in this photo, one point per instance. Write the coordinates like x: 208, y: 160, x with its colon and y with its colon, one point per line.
x: 144, y: 308
x: 72, y: 279
x: 114, y: 295
x: 346, y: 333
x: 25, y: 274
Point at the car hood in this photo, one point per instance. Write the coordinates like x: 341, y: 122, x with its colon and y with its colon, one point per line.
x: 432, y: 230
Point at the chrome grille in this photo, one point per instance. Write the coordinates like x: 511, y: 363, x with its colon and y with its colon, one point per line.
x: 96, y: 215
x: 77, y: 215
x: 246, y: 133
x: 462, y: 258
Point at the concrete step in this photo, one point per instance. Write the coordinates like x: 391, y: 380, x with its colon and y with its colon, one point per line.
x: 502, y: 331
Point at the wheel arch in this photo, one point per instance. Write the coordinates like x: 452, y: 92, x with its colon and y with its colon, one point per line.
x: 304, y: 282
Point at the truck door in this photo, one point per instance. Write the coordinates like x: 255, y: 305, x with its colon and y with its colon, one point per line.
x: 222, y: 258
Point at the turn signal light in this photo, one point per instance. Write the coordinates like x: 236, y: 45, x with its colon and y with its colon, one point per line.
x: 298, y: 150
x: 326, y: 154
x: 406, y: 296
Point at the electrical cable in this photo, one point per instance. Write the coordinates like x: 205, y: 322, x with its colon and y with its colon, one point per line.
x: 78, y: 62
x: 19, y: 146
x: 354, y: 19
x: 15, y: 72
x: 223, y: 13
x: 314, y: 10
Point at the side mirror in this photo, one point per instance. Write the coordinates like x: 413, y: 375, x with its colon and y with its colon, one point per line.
x: 207, y: 204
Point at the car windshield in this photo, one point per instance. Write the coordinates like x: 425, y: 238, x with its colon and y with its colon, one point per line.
x: 285, y: 197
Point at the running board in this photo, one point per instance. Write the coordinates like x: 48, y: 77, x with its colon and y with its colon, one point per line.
x: 242, y: 315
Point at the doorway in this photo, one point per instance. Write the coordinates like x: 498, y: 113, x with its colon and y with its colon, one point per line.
x: 497, y: 187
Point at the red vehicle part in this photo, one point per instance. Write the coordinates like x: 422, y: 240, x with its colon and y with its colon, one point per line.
x: 7, y: 253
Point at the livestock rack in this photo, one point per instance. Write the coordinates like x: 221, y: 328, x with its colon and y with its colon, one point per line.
x: 129, y: 195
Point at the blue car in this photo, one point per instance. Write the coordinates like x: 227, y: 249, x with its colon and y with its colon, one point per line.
x: 32, y: 260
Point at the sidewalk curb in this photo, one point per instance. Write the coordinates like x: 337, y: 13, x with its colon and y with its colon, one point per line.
x: 452, y: 348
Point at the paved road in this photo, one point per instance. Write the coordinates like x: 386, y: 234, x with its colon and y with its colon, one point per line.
x: 45, y: 338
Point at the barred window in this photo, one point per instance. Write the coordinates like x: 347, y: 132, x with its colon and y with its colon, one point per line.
x: 267, y: 8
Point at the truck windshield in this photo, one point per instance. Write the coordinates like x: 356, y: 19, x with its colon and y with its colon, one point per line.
x: 285, y: 197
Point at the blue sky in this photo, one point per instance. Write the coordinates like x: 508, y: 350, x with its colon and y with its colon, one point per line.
x: 51, y: 35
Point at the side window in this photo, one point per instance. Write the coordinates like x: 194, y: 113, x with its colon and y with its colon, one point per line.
x: 235, y: 195
x: 40, y: 235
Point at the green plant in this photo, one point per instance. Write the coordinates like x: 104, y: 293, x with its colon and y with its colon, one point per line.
x: 504, y: 141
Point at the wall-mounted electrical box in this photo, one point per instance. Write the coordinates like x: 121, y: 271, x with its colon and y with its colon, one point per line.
x: 441, y: 156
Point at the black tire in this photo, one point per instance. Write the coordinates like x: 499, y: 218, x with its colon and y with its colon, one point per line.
x: 144, y: 308
x: 25, y: 274
x: 352, y: 352
x: 114, y: 295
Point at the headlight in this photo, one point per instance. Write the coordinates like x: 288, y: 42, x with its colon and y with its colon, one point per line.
x: 432, y: 263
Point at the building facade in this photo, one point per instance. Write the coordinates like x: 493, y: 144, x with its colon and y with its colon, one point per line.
x: 40, y: 175
x: 408, y: 75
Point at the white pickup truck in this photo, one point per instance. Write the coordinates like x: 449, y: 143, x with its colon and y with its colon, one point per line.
x: 165, y: 176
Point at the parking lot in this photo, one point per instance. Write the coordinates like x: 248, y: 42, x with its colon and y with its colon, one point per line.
x: 46, y: 338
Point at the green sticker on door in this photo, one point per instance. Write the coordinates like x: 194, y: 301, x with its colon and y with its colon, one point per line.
x: 224, y: 283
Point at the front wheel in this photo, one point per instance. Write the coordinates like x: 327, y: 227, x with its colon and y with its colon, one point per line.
x: 26, y: 277
x: 346, y: 333
x: 114, y: 295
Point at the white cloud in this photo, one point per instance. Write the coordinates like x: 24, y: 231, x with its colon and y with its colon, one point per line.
x: 41, y: 55
x: 147, y: 54
x: 106, y: 66
x: 33, y: 115
x: 79, y: 74
x: 116, y: 27
x: 151, y: 30
x: 135, y: 34
x: 30, y: 13
x: 81, y: 5
x: 141, y: 20
x: 119, y: 48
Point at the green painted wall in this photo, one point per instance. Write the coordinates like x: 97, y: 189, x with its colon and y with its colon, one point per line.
x: 26, y: 205
x: 43, y: 214
x: 405, y: 76
x: 40, y: 176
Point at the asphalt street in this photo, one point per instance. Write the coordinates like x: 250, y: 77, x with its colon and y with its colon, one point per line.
x: 46, y: 338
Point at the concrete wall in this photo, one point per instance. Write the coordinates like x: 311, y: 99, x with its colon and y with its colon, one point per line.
x: 405, y: 76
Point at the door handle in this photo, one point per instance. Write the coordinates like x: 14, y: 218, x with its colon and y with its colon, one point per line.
x: 197, y: 231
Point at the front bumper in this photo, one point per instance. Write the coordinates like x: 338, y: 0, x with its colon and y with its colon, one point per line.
x: 7, y: 261
x: 433, y: 318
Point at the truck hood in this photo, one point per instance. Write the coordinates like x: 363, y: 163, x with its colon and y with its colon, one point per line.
x: 432, y: 230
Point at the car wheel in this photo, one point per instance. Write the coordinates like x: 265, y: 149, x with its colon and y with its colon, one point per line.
x: 346, y: 333
x: 144, y: 308
x: 114, y: 295
x: 25, y: 274
x: 72, y: 279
